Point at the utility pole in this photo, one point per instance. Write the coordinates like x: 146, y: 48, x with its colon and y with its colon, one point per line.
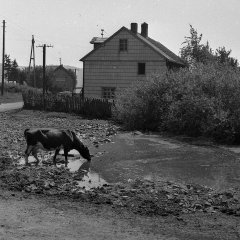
x: 44, y: 71
x: 32, y: 57
x: 3, y: 56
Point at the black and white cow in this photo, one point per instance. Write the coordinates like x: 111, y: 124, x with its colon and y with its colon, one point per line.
x: 53, y: 139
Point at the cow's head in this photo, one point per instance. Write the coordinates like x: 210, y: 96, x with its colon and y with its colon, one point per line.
x: 85, y: 153
x: 83, y: 150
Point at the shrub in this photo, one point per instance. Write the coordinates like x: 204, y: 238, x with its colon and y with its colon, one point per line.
x: 202, y: 102
x: 15, y: 88
x: 191, y: 116
x: 143, y: 105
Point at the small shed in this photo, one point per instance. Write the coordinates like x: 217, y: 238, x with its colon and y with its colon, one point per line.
x: 62, y: 80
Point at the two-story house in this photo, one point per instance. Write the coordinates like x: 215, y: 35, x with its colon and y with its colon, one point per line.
x: 126, y: 56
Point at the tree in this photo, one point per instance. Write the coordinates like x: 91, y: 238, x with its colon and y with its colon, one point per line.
x: 7, y: 66
x: 73, y: 75
x: 223, y: 57
x: 39, y: 77
x: 194, y: 52
x: 11, y: 69
x: 14, y: 72
x: 22, y: 76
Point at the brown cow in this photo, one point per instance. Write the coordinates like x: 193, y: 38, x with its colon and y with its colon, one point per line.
x: 53, y: 139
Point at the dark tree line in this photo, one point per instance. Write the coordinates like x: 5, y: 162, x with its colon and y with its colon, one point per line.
x: 48, y: 75
x: 20, y: 75
x: 12, y: 72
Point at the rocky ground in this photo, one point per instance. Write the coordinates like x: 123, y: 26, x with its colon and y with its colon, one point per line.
x: 186, y: 211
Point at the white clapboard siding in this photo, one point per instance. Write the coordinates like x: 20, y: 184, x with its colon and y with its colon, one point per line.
x: 107, y: 67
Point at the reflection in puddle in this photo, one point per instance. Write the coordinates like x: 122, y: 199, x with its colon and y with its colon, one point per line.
x: 91, y: 180
x: 87, y: 179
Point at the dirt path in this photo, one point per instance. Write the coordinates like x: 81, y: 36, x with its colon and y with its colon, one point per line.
x: 34, y: 218
x: 29, y: 217
x: 10, y: 106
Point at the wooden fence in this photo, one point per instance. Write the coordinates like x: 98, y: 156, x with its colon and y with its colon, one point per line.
x: 64, y: 103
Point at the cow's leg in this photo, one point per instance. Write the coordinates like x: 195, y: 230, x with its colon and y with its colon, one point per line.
x: 34, y: 152
x: 27, y: 153
x: 65, y: 155
x: 55, y: 155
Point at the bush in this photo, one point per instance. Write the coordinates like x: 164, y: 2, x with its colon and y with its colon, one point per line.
x: 202, y: 102
x: 14, y: 88
x: 190, y: 116
x: 143, y: 105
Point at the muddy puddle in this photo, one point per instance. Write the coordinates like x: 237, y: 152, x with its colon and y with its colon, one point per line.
x: 89, y: 179
x: 154, y: 157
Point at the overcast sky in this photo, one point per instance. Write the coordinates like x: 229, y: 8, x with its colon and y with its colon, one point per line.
x: 69, y: 25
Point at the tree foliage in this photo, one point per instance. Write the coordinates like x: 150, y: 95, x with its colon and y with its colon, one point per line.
x: 39, y: 77
x: 194, y: 51
x: 223, y: 56
x: 7, y: 66
x: 73, y: 76
x: 49, y: 75
x: 11, y: 69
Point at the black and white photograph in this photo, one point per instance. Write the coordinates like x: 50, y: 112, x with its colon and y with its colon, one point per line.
x: 119, y: 120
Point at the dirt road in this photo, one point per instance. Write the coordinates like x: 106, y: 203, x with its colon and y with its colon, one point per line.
x: 32, y: 217
x: 10, y: 106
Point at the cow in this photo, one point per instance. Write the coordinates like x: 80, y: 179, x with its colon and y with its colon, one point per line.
x: 53, y: 139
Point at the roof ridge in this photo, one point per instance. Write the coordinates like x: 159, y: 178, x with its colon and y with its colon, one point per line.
x: 156, y: 43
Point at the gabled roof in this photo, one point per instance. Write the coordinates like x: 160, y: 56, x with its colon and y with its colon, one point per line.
x: 164, y: 51
x: 156, y: 46
x: 61, y: 67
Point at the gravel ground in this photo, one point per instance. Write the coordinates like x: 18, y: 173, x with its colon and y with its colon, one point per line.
x: 186, y: 211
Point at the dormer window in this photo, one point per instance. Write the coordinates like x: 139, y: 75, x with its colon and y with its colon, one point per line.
x: 123, y: 45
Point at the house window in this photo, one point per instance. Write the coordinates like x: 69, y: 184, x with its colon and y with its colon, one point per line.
x: 123, y: 45
x: 108, y: 92
x: 141, y: 68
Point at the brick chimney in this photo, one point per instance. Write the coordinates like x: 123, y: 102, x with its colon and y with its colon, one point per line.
x: 144, y: 30
x: 134, y: 27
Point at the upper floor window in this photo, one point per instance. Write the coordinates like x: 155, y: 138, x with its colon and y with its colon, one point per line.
x: 123, y: 45
x: 141, y: 68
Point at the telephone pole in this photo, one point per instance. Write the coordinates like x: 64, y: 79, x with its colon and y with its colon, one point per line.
x: 32, y: 57
x: 3, y: 56
x: 44, y: 71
